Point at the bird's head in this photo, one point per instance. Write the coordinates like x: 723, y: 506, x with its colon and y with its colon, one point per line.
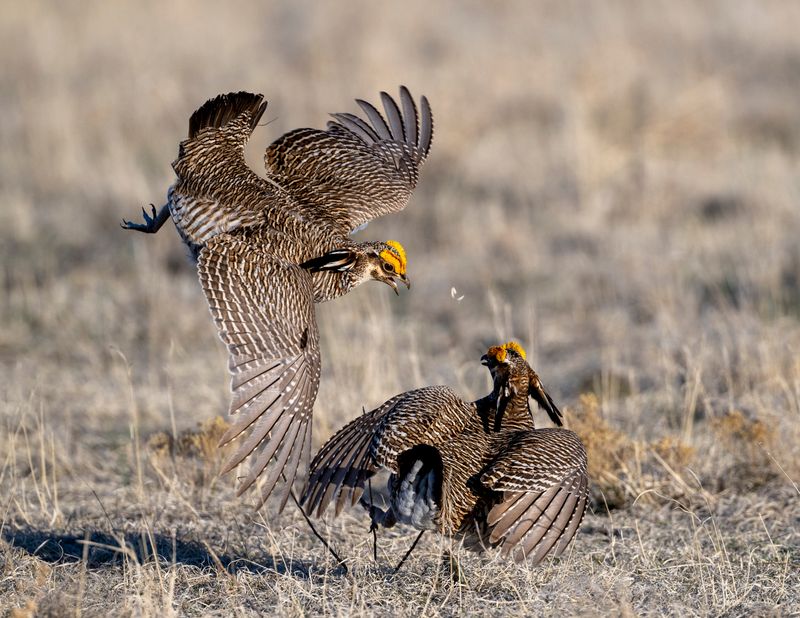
x: 509, y: 371
x: 386, y: 261
x: 512, y: 375
x: 360, y: 262
x: 506, y: 361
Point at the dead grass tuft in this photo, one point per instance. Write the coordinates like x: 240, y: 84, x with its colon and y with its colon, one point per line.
x: 607, y: 449
x: 673, y: 451
x: 193, y: 455
x: 201, y: 443
x: 748, y: 442
x: 623, y: 470
x: 31, y: 610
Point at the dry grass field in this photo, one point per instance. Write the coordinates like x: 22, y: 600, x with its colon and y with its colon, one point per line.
x: 614, y: 184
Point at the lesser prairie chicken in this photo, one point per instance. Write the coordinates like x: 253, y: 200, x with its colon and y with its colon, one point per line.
x: 477, y: 470
x: 268, y: 249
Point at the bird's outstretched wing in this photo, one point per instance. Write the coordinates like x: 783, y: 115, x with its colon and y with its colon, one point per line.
x: 375, y: 440
x: 358, y: 169
x: 343, y: 465
x: 543, y: 483
x: 264, y: 310
x: 216, y: 192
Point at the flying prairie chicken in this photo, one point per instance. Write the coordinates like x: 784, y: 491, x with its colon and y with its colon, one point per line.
x: 268, y: 249
x: 476, y: 470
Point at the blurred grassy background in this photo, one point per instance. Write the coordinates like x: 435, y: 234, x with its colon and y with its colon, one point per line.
x: 616, y: 185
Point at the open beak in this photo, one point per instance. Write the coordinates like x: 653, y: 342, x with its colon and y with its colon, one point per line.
x: 485, y: 360
x: 393, y: 284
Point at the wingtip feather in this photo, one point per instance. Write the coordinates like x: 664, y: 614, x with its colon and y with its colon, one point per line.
x: 375, y: 118
x: 394, y: 117
x: 426, y: 126
x: 220, y: 110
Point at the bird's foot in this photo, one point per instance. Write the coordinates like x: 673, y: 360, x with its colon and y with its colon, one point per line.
x: 151, y: 223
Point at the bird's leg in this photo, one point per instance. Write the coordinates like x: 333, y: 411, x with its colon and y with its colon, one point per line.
x: 373, y: 527
x: 408, y: 553
x: 378, y: 517
x: 339, y: 560
x: 151, y: 223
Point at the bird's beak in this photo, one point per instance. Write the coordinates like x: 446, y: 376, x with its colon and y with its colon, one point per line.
x: 391, y: 282
x: 485, y: 360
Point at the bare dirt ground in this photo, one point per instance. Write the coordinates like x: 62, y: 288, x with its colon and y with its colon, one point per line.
x: 615, y: 185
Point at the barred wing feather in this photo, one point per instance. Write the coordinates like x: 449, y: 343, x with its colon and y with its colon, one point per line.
x: 544, y: 486
x: 216, y: 191
x: 358, y: 169
x: 263, y: 309
x: 375, y: 440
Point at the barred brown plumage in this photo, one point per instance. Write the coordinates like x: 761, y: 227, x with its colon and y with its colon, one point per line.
x: 477, y: 470
x: 268, y: 249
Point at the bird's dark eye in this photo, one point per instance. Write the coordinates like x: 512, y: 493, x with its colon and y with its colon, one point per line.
x: 388, y: 267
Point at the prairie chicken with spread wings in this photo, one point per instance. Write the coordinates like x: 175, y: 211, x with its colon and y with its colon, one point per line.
x: 476, y: 470
x: 267, y: 249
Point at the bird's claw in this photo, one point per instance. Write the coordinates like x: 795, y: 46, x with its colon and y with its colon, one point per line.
x: 149, y: 225
x: 147, y: 219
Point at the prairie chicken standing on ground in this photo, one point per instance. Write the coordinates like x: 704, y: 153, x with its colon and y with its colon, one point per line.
x: 477, y: 470
x: 268, y: 249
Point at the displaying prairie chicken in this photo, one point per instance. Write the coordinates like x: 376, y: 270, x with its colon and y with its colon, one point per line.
x: 476, y: 470
x: 268, y: 249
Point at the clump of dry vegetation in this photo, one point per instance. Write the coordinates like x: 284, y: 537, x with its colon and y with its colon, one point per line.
x: 193, y: 453
x: 202, y: 442
x: 624, y: 470
x: 613, y: 185
x: 750, y: 442
x: 609, y: 452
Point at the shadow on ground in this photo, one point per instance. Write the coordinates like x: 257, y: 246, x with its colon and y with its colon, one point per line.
x: 103, y: 549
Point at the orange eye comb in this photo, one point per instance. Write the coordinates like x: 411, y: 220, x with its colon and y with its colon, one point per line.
x: 396, y: 256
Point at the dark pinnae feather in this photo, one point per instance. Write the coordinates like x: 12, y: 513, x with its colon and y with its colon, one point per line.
x: 337, y: 260
x: 553, y: 412
x: 545, y: 401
